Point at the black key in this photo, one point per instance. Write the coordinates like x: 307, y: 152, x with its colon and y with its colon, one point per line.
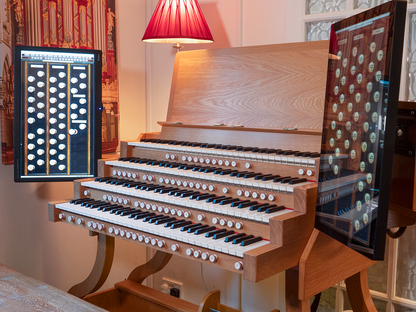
x: 251, y: 241
x: 125, y: 158
x: 210, y: 145
x: 152, y: 187
x: 243, y: 173
x: 190, y: 143
x: 190, y: 194
x: 255, y: 207
x: 211, y: 234
x: 247, y: 204
x: 102, y: 179
x: 233, y: 237
x: 219, y: 199
x: 248, y: 149
x: 81, y: 200
x: 239, y: 203
x: 180, y: 224
x: 163, y: 220
x: 185, y: 143
x: 262, y: 150
x: 224, y: 147
x: 218, y: 146
x: 287, y: 153
x: 223, y: 234
x: 204, y: 230
x: 144, y: 215
x: 306, y: 154
x: 228, y: 171
x: 129, y: 212
x: 238, y: 173
x: 275, y: 209
x: 287, y: 180
x: 264, y: 208
x: 169, y: 224
x: 255, y: 150
x: 175, y: 165
x: 139, y: 186
x: 241, y: 239
x: 154, y: 163
x: 100, y: 207
x: 206, y: 197
x: 229, y: 201
x: 271, y: 177
x: 86, y: 203
x: 119, y: 210
x: 210, y: 170
x: 155, y: 217
x: 210, y: 200
x: 173, y: 189
x: 193, y: 229
x: 313, y: 155
x: 261, y: 176
x: 296, y: 181
x: 109, y: 208
x: 182, y: 192
x: 197, y: 195
x: 174, y: 192
x: 231, y: 147
x: 272, y: 151
x: 97, y: 205
x: 280, y: 179
x: 189, y: 226
x: 250, y: 175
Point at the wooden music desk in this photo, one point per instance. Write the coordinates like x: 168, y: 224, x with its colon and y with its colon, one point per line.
x: 19, y: 292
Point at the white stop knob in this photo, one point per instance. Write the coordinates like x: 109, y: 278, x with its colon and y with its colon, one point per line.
x: 205, y: 256
x: 101, y: 226
x: 154, y: 241
x: 231, y: 223
x: 80, y: 221
x: 310, y: 172
x: 175, y: 247
x: 187, y: 214
x: 239, y: 225
x: 197, y: 253
x: 134, y: 236
x: 87, y: 193
x: 213, y: 258
x: 215, y: 220
x: 189, y: 251
x: 263, y: 196
x: 180, y: 213
x: 302, y: 171
x: 147, y: 240
x: 223, y: 222
x: 201, y: 217
x: 225, y: 190
x: 239, y: 265
x: 212, y: 188
x: 248, y: 165
x: 272, y: 197
x: 161, y: 244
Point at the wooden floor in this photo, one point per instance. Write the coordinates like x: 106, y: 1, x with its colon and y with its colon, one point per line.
x: 19, y: 293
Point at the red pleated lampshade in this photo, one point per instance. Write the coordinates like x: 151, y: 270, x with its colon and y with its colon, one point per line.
x: 176, y: 21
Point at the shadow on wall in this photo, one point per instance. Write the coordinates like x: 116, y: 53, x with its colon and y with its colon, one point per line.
x: 216, y: 26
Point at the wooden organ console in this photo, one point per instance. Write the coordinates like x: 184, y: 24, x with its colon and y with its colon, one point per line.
x: 230, y: 180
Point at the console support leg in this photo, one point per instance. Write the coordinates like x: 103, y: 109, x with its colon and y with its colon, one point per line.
x: 293, y: 304
x: 157, y: 263
x: 359, y: 293
x: 101, y: 269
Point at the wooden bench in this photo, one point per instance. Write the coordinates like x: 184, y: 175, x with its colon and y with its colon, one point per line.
x: 19, y: 292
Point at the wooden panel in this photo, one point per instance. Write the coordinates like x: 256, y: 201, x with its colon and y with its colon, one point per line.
x: 136, y: 297
x: 359, y: 293
x: 273, y: 86
x: 326, y: 262
x: 108, y: 299
x: 21, y: 293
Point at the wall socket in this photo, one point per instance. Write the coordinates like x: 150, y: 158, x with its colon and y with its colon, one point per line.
x: 168, y: 283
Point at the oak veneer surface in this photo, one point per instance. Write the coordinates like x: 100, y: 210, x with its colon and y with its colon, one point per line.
x: 273, y: 86
x: 21, y: 293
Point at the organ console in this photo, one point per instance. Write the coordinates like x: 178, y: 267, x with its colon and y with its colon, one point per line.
x: 230, y: 181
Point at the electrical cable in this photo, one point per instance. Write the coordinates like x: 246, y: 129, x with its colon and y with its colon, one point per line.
x: 202, y: 277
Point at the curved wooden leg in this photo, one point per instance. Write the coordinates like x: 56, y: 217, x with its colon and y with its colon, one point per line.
x: 211, y: 300
x: 359, y: 293
x: 101, y: 269
x: 157, y: 263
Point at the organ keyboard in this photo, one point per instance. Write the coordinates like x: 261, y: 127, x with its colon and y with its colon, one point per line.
x: 230, y: 180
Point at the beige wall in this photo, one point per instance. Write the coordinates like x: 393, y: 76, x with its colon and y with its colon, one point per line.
x: 63, y: 255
